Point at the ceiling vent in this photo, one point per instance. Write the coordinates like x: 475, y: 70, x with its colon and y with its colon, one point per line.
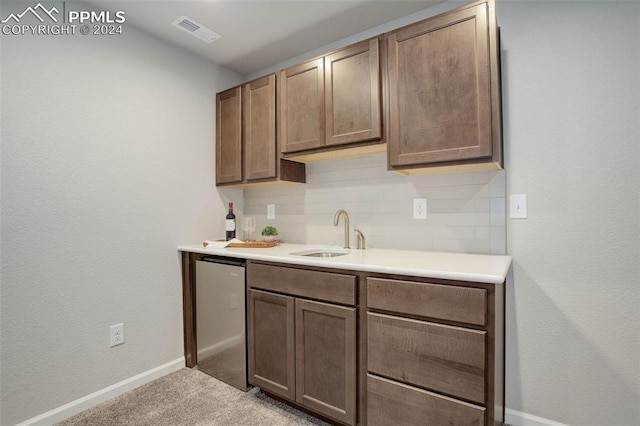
x: 196, y: 29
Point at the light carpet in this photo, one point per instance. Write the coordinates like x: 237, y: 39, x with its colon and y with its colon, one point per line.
x: 191, y: 397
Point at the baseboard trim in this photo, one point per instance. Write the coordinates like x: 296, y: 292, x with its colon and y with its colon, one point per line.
x: 518, y: 418
x: 65, y: 411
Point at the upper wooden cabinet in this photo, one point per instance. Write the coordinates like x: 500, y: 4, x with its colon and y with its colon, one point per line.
x: 246, y: 148
x: 229, y: 136
x: 301, y: 104
x: 352, y: 94
x: 334, y: 100
x: 259, y: 101
x: 444, y: 91
x: 429, y: 93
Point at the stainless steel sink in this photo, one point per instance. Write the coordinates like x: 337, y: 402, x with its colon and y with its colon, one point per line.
x: 323, y: 253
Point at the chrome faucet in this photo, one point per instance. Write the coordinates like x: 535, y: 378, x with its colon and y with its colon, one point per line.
x: 336, y: 220
x: 361, y: 245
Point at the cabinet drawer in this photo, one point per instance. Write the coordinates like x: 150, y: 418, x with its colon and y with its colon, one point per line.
x: 452, y: 303
x: 391, y: 403
x: 325, y: 286
x: 434, y: 356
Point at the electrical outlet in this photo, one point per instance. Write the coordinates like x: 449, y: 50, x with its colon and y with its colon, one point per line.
x: 116, y: 334
x: 419, y: 208
x: 271, y: 211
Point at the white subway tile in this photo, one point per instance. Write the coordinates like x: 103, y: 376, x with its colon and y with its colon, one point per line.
x: 464, y: 246
x: 498, y: 184
x: 482, y: 233
x: 498, y: 212
x: 481, y: 177
x: 453, y: 206
x: 482, y: 205
x: 466, y: 211
x: 459, y: 219
x: 498, y: 240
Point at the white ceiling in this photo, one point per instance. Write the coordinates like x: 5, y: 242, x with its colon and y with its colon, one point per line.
x: 260, y: 33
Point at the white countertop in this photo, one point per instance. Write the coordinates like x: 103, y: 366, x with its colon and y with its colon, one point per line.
x: 452, y: 266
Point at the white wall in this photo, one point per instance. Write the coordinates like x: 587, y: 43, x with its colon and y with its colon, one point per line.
x: 571, y: 90
x: 466, y: 211
x: 107, y: 166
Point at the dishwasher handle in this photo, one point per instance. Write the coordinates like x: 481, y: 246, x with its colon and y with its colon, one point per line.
x: 233, y: 261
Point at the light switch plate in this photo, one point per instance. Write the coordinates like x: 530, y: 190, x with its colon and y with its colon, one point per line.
x: 271, y: 211
x: 518, y: 206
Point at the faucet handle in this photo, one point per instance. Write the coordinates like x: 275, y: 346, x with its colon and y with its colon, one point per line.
x: 360, y: 239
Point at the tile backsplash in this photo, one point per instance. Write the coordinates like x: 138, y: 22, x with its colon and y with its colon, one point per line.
x: 465, y: 211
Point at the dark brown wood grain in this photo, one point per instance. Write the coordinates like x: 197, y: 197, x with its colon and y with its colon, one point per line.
x: 362, y: 348
x: 301, y: 106
x: 496, y: 355
x: 352, y: 94
x: 441, y: 97
x: 495, y: 64
x: 271, y: 342
x: 188, y: 312
x: 259, y: 133
x: 461, y: 304
x: 291, y: 171
x: 325, y: 286
x: 229, y: 136
x: 393, y: 403
x: 442, y: 358
x: 326, y: 359
x: 254, y: 122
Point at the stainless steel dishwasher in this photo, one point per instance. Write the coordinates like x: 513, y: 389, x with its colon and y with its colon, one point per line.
x: 221, y: 319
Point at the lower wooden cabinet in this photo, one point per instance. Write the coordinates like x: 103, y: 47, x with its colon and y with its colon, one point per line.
x: 440, y: 357
x: 377, y: 349
x: 300, y: 349
x: 435, y: 352
x: 271, y: 343
x: 392, y: 403
x: 326, y: 359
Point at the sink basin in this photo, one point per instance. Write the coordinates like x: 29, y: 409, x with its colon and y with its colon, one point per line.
x: 322, y: 253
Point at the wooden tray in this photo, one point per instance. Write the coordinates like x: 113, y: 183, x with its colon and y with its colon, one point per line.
x: 251, y: 244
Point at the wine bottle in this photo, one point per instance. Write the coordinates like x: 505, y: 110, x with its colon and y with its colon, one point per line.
x: 230, y: 223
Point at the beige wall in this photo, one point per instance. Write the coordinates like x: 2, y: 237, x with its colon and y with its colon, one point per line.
x: 107, y: 166
x: 571, y: 73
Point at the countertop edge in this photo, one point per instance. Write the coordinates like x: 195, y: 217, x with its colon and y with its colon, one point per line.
x: 497, y: 277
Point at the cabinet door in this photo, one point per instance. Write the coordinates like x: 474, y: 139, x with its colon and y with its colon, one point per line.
x: 229, y: 136
x: 271, y: 343
x: 352, y: 94
x: 259, y: 108
x: 326, y: 359
x: 301, y: 106
x: 439, y: 89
